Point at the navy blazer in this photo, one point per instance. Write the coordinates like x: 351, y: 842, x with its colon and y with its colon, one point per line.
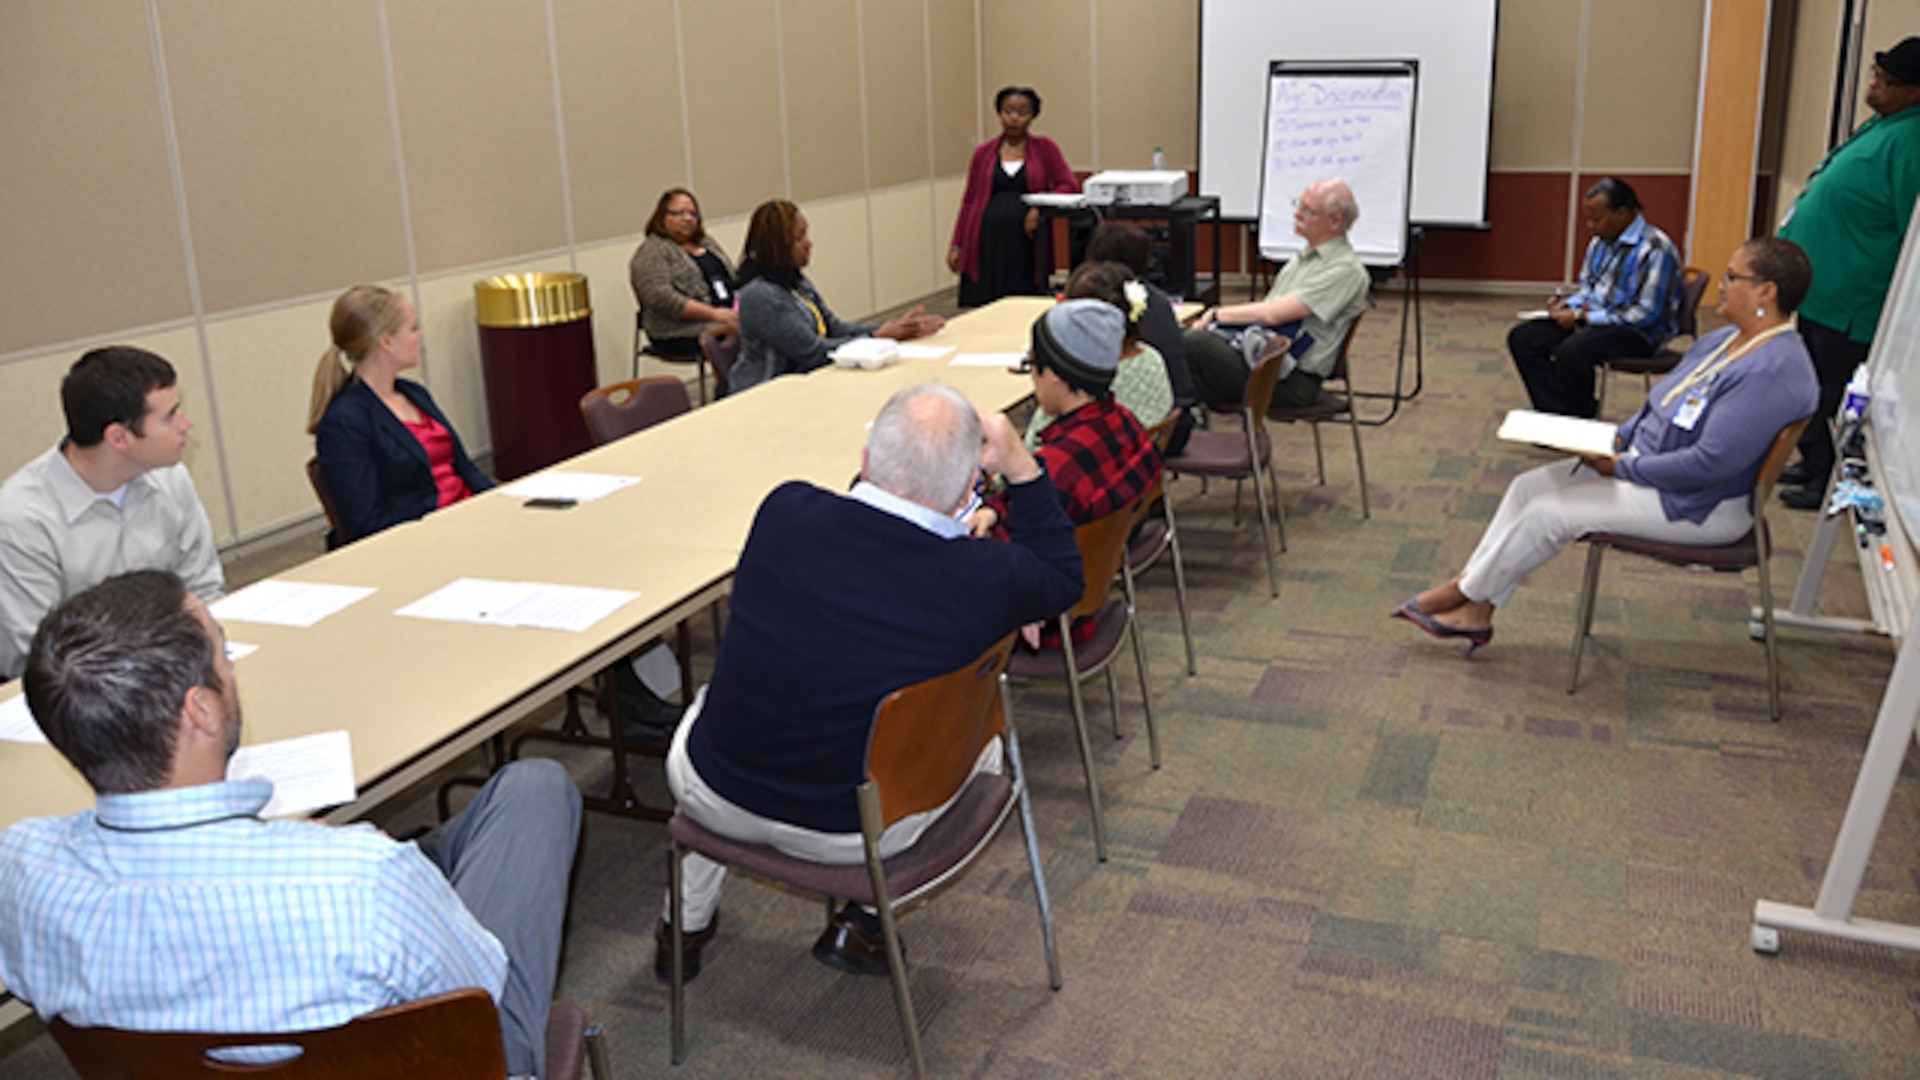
x: 378, y: 472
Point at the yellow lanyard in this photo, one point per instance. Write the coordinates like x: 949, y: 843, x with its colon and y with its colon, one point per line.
x: 819, y: 321
x: 1720, y: 359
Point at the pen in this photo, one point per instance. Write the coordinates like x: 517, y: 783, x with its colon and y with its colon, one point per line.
x: 1886, y: 557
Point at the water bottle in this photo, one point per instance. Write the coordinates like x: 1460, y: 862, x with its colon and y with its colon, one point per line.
x: 1855, y: 404
x: 1159, y: 159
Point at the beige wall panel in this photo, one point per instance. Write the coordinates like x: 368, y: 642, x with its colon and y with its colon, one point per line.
x: 31, y: 388
x: 1050, y: 48
x: 902, y: 239
x: 957, y: 95
x: 1639, y: 114
x: 263, y: 365
x: 89, y: 198
x: 1535, y: 65
x: 821, y: 54
x: 612, y: 298
x: 1816, y: 45
x: 733, y: 104
x: 453, y: 347
x: 1888, y: 23
x: 946, y: 208
x: 477, y: 129
x: 620, y: 89
x: 898, y: 140
x: 842, y: 265
x: 286, y: 148
x: 731, y: 232
x: 1149, y: 81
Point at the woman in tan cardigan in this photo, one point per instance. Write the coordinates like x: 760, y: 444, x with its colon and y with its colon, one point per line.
x: 681, y: 279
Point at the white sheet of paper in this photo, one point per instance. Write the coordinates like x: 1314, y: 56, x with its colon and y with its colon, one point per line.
x: 1568, y: 433
x: 988, y: 359
x: 16, y: 722
x: 924, y: 352
x: 235, y: 650
x: 519, y: 603
x: 1535, y: 313
x: 580, y: 487
x: 287, y: 603
x: 309, y: 773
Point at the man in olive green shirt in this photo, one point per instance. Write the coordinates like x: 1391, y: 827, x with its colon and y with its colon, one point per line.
x: 1320, y: 293
x: 1851, y: 219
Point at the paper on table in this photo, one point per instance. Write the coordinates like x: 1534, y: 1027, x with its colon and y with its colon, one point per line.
x: 287, y: 603
x: 989, y: 359
x: 1560, y: 432
x: 578, y: 487
x: 519, y: 603
x: 17, y: 723
x: 924, y: 352
x: 235, y: 650
x: 308, y: 773
x: 1535, y: 313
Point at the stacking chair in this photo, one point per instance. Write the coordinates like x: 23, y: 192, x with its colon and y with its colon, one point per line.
x: 1158, y: 535
x: 1751, y: 550
x: 1330, y: 405
x: 1103, y: 549
x: 336, y: 532
x: 926, y: 739
x: 455, y: 1034
x: 619, y: 409
x: 1693, y: 286
x: 1248, y: 452
x: 721, y: 347
x: 643, y: 347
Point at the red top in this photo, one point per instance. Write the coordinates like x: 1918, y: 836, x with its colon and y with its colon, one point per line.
x: 1047, y: 170
x: 438, y: 442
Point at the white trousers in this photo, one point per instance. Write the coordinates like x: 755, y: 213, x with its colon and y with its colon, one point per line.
x: 701, y: 877
x: 1547, y: 508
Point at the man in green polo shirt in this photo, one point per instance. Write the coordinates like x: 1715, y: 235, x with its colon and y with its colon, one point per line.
x: 1852, y: 219
x: 1319, y: 294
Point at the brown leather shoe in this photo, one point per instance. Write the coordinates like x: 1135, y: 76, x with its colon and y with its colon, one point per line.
x: 690, y: 946
x: 854, y: 943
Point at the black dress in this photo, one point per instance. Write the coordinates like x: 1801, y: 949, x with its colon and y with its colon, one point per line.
x: 1006, y: 251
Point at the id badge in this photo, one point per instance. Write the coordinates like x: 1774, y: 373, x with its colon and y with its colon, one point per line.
x: 1690, y: 409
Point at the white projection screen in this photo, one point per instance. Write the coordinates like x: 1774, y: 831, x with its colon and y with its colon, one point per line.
x: 1452, y: 39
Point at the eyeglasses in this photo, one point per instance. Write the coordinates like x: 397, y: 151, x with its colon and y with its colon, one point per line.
x: 1730, y: 277
x: 683, y: 213
x: 1307, y: 210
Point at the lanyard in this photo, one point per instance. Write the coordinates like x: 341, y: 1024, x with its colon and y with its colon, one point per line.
x: 1720, y: 359
x: 819, y: 322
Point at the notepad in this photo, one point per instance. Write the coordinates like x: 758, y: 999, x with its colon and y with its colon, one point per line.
x: 311, y: 772
x: 287, y: 603
x: 519, y: 603
x: 1569, y: 433
x: 571, y: 487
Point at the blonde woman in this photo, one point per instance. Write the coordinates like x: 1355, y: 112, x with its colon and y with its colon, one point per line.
x: 387, y: 451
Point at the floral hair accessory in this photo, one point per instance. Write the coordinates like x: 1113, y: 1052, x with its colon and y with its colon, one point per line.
x: 1136, y: 300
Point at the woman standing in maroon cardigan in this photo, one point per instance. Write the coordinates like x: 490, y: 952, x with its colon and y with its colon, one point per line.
x: 992, y: 247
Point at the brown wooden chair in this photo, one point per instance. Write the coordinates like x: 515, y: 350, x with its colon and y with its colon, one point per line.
x: 336, y: 532
x: 721, y: 347
x: 1751, y: 550
x: 454, y: 1035
x: 617, y: 410
x: 926, y: 740
x: 1161, y: 535
x: 1693, y: 286
x: 1330, y: 405
x: 1103, y: 548
x: 1237, y: 455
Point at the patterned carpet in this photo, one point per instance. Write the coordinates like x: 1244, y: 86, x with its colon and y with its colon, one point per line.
x: 1365, y: 856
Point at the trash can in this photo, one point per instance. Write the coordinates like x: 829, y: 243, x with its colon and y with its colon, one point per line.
x: 536, y: 353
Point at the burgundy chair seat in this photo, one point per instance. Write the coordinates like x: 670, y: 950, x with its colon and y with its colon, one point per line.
x: 1217, y: 453
x: 966, y: 823
x: 1109, y: 626
x: 1742, y: 554
x: 1146, y: 543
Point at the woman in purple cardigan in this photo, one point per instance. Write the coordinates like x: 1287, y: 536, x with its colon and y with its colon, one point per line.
x: 1684, y: 465
x: 992, y: 247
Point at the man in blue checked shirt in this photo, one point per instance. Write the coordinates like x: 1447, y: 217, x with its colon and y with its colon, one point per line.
x: 1628, y: 300
x: 172, y: 907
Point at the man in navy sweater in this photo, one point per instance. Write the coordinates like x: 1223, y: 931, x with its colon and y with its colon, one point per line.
x: 838, y: 601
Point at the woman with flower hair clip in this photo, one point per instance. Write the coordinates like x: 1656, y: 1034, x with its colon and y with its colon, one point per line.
x: 1140, y: 383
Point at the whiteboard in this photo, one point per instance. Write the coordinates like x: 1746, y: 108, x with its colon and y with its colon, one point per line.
x: 1895, y: 366
x: 1356, y: 123
x: 1453, y: 40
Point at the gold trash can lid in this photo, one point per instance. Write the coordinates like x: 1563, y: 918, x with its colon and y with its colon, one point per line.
x: 523, y: 301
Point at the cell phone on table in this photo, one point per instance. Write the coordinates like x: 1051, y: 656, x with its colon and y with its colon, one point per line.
x: 550, y: 503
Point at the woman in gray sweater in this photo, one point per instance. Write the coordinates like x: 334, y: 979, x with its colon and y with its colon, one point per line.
x: 786, y: 327
x: 681, y: 278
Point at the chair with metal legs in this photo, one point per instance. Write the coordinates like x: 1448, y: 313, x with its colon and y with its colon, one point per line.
x: 1236, y: 455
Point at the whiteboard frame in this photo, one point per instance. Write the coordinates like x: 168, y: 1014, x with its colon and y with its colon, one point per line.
x: 1281, y: 243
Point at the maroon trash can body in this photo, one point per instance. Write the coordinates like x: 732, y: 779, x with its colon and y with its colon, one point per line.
x: 536, y: 353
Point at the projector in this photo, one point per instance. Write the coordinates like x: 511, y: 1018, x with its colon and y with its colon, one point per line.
x: 1136, y: 187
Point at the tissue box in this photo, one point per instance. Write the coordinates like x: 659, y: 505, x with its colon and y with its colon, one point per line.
x: 867, y: 353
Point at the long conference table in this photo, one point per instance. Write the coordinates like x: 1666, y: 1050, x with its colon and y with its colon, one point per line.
x: 415, y: 694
